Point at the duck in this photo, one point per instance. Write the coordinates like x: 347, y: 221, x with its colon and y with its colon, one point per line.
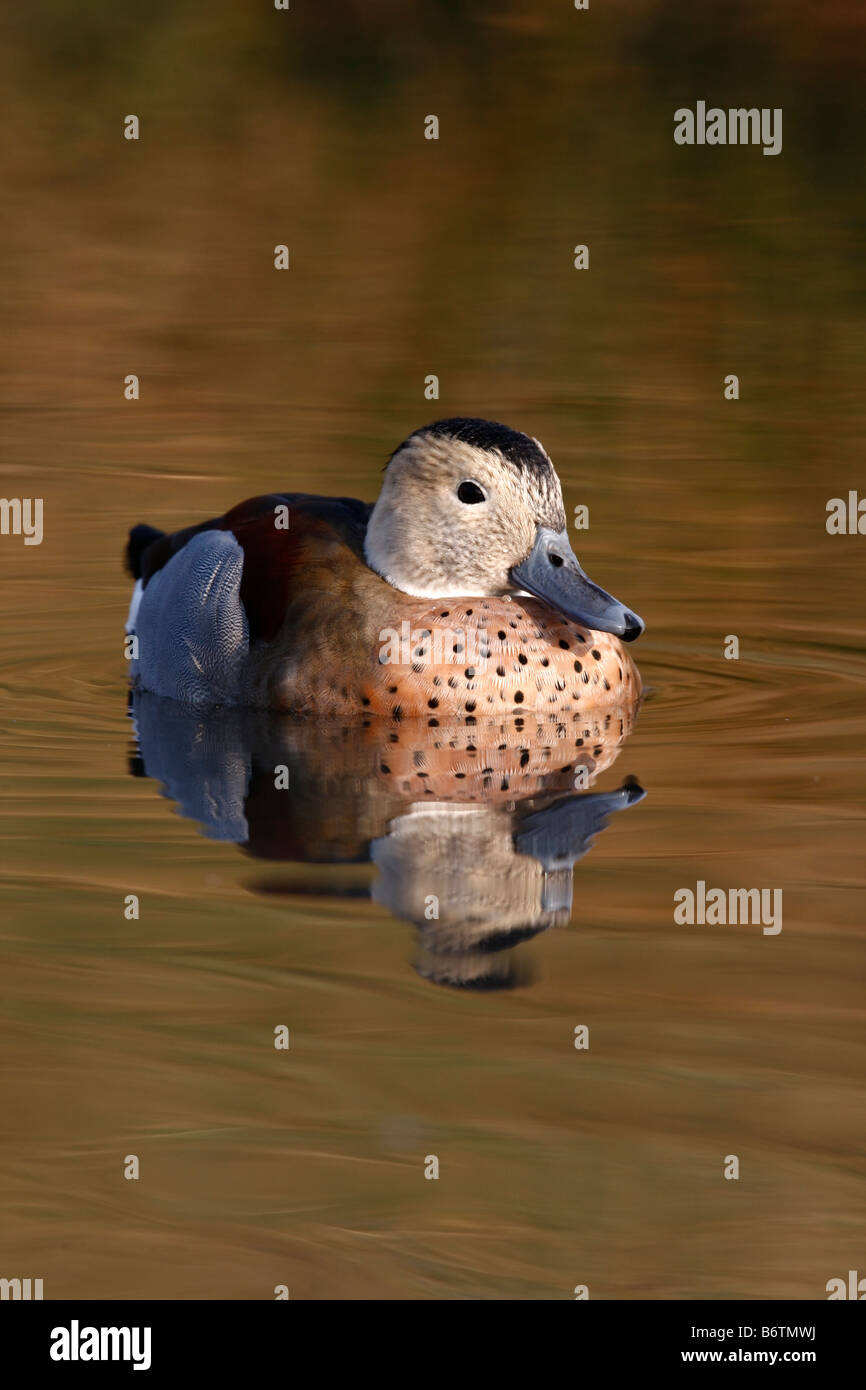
x: 455, y: 595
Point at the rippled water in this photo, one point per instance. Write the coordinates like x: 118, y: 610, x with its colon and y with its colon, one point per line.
x: 411, y: 1037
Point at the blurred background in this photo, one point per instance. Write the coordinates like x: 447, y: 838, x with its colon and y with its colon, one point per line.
x: 453, y: 257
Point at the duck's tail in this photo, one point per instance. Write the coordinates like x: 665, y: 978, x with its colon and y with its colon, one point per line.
x: 140, y: 537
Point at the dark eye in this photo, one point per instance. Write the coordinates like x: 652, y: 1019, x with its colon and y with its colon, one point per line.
x: 470, y: 492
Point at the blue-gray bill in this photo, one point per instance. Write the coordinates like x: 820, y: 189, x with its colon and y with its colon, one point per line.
x: 552, y: 573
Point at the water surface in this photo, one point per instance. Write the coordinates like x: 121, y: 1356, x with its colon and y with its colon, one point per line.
x: 155, y: 1036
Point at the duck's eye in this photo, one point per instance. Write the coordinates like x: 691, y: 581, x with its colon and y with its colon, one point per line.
x: 471, y: 492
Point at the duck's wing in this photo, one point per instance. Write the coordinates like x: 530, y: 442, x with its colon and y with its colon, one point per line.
x: 282, y: 536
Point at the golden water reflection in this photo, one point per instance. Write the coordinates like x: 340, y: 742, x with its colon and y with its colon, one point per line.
x: 455, y: 258
x: 474, y: 830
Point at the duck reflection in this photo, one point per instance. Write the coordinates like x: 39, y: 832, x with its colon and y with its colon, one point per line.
x: 473, y: 828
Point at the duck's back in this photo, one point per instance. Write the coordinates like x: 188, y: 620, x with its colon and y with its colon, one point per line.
x: 223, y: 608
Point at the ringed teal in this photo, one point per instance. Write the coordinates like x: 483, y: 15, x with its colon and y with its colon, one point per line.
x: 457, y: 594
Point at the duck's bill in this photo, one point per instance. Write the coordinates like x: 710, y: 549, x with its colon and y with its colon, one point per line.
x: 552, y: 572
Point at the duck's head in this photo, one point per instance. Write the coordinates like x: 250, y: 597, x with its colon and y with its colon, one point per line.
x: 473, y: 508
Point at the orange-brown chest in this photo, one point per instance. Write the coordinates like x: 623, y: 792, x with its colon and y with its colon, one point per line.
x: 474, y: 658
